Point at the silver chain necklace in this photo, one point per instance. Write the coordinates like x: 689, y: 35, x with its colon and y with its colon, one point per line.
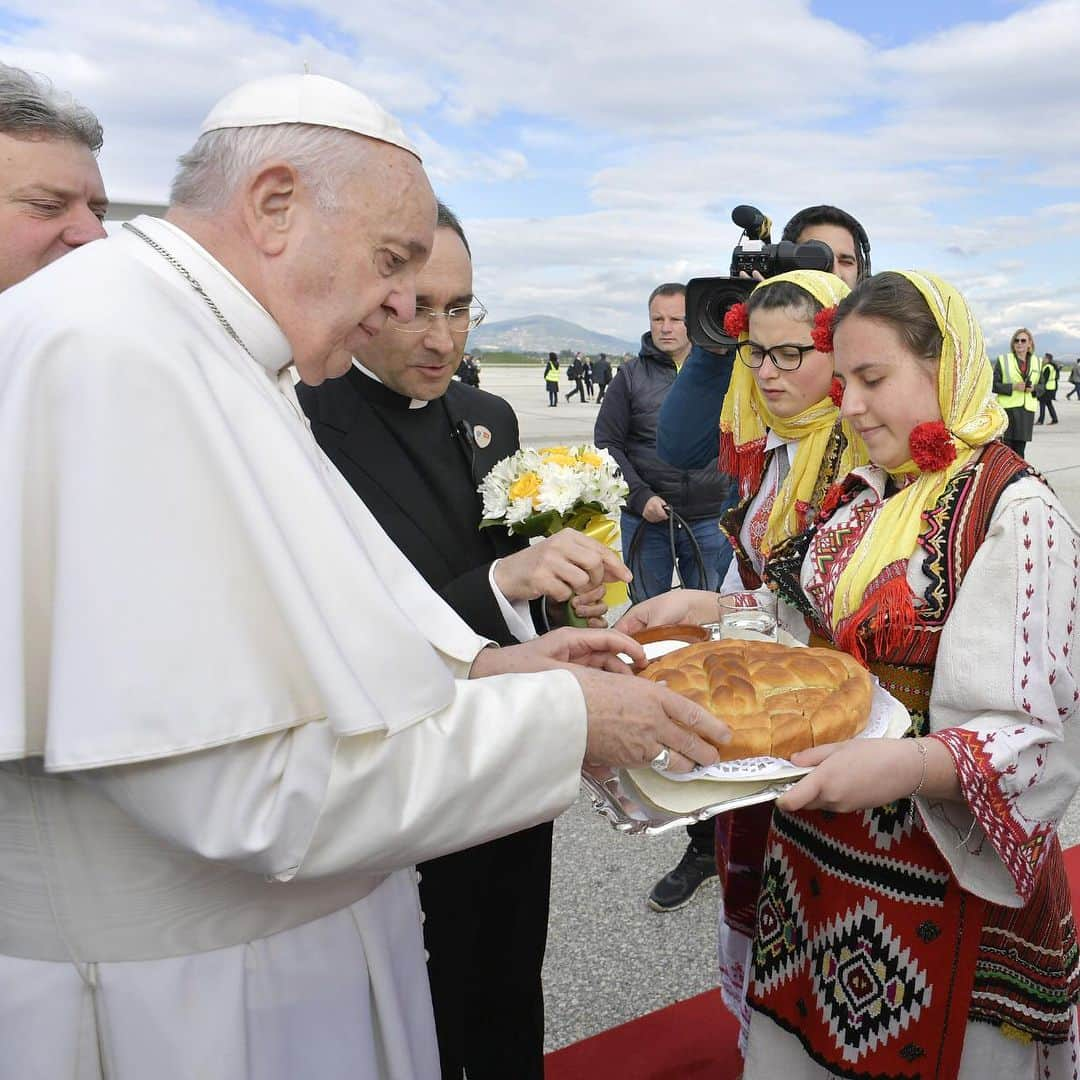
x: 191, y: 280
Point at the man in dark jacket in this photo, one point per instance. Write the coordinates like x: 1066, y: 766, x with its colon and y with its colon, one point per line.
x: 601, y: 373
x: 626, y: 426
x: 576, y: 374
x: 469, y: 371
x: 414, y: 445
x: 1048, y: 384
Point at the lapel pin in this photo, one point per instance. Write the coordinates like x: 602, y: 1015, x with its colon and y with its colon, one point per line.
x: 482, y: 436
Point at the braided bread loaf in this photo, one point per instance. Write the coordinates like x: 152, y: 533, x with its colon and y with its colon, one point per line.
x: 776, y: 699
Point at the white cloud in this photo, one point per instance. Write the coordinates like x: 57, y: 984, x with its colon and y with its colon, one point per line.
x: 697, y: 66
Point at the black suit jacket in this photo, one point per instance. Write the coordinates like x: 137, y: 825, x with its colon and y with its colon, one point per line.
x: 354, y: 438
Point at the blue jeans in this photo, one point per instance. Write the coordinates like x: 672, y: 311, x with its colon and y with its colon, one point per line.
x: 653, y: 565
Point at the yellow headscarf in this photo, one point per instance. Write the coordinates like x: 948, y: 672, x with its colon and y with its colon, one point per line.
x: 973, y: 417
x: 745, y: 418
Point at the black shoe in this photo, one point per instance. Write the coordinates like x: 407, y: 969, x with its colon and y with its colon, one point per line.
x: 678, y: 887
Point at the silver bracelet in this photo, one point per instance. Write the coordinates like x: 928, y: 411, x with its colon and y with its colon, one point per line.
x: 921, y: 747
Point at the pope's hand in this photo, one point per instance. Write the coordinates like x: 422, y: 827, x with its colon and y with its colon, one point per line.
x: 559, y: 567
x: 561, y: 648
x: 677, y: 607
x: 632, y: 720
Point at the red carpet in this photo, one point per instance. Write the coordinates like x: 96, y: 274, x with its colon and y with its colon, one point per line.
x: 690, y: 1039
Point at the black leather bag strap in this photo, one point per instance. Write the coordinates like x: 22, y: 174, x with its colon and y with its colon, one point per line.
x: 633, y: 555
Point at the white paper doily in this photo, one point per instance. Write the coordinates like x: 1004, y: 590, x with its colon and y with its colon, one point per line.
x: 887, y: 717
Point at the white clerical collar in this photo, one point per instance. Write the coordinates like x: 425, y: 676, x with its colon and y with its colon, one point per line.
x: 254, y: 325
x: 414, y: 403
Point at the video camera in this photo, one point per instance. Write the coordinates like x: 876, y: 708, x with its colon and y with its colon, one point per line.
x: 708, y: 298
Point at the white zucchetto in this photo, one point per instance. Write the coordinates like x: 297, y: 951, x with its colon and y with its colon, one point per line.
x: 306, y: 99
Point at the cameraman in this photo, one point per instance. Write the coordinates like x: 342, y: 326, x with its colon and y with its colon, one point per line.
x: 686, y: 432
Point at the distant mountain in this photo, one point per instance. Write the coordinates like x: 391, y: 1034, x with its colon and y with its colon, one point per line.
x: 544, y: 334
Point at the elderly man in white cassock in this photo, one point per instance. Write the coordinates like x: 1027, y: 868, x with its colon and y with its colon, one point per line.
x: 232, y: 716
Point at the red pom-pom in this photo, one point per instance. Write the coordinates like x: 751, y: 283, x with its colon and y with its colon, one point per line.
x: 821, y: 335
x: 836, y: 391
x: 736, y: 320
x: 931, y: 446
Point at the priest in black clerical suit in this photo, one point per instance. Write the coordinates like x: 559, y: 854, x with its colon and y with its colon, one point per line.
x: 415, y: 445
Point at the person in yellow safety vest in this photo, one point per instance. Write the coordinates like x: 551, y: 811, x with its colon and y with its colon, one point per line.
x: 551, y: 379
x: 1048, y: 384
x: 1016, y: 375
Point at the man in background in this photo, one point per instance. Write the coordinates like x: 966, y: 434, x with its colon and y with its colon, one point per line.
x: 1048, y: 384
x: 575, y: 373
x: 52, y: 199
x: 468, y: 371
x: 626, y: 426
x: 601, y: 374
x: 1074, y: 381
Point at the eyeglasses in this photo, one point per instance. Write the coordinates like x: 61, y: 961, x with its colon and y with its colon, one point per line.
x: 1020, y: 341
x: 459, y: 320
x: 787, y: 357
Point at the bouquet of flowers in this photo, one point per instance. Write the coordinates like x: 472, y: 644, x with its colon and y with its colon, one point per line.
x: 538, y: 492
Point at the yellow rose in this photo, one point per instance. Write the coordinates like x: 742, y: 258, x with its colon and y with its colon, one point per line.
x: 546, y: 450
x: 560, y: 459
x: 589, y: 458
x: 527, y: 486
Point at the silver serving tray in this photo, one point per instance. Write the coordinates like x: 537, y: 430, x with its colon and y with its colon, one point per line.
x: 616, y: 796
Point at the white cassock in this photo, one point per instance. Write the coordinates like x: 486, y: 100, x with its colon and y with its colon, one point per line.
x: 232, y: 715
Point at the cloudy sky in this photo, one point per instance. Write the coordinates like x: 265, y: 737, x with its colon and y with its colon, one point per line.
x: 595, y: 149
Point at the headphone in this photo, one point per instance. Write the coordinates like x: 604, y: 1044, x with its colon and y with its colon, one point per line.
x: 832, y: 215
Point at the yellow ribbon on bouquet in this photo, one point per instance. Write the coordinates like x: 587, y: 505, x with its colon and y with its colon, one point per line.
x: 606, y: 530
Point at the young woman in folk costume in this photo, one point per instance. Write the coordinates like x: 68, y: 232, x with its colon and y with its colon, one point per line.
x: 914, y: 918
x: 781, y: 437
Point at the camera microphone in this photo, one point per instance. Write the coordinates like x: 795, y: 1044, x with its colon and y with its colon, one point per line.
x: 461, y: 430
x: 753, y: 222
